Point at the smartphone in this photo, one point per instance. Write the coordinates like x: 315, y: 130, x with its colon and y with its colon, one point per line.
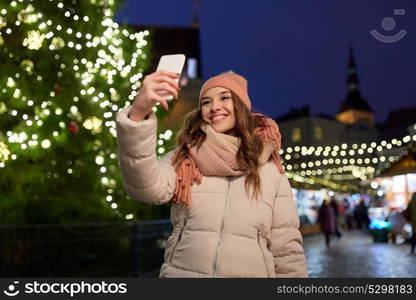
x: 172, y: 63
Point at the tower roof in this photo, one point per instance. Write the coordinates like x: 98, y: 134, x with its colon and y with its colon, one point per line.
x: 195, y: 13
x: 353, y: 100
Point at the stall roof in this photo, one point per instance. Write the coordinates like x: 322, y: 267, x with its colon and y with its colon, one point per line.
x: 406, y: 165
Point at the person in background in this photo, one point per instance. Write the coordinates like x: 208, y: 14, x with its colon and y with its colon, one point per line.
x: 349, y: 219
x: 410, y: 215
x: 361, y: 215
x: 327, y: 220
x: 397, y: 222
x: 335, y: 206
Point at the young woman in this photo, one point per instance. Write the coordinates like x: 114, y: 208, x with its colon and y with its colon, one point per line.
x: 233, y: 212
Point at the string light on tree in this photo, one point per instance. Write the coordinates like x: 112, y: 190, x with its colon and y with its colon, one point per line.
x: 73, y: 93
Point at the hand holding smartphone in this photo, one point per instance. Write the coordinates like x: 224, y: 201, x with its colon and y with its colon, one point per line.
x: 157, y: 87
x: 172, y: 63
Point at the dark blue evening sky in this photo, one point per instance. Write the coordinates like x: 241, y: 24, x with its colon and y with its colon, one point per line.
x: 295, y: 52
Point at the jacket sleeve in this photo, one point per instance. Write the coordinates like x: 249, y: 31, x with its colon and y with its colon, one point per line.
x: 145, y: 177
x: 286, y: 240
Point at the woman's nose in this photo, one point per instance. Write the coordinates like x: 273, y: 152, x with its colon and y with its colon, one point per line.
x: 215, y: 106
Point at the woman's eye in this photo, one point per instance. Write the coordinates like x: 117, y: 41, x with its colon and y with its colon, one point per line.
x: 225, y: 98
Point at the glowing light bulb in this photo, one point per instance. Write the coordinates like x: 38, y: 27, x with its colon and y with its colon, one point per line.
x: 45, y: 144
x: 99, y: 160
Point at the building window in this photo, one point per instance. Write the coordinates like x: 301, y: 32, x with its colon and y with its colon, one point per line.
x: 296, y: 135
x: 192, y: 68
x: 317, y: 131
x: 352, y: 86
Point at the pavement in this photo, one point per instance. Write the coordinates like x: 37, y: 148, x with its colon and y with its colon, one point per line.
x: 356, y: 255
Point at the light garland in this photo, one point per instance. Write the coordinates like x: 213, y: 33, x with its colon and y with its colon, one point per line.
x: 359, y: 160
x: 343, y: 149
x: 314, y: 182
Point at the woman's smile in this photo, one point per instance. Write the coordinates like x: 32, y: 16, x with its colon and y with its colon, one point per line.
x: 218, y: 118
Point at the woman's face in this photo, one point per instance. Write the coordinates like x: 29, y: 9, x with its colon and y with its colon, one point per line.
x: 218, y: 110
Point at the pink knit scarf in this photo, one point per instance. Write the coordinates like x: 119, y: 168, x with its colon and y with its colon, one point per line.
x: 217, y: 156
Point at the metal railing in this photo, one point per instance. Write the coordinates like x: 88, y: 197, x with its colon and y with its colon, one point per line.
x: 87, y: 250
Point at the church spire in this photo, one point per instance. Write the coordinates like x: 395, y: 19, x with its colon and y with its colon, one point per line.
x: 352, y: 80
x: 354, y: 108
x: 195, y: 13
x: 351, y: 62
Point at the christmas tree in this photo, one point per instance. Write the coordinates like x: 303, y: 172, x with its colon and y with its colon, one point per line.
x: 66, y: 69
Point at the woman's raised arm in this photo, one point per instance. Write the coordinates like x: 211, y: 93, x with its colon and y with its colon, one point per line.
x: 145, y: 178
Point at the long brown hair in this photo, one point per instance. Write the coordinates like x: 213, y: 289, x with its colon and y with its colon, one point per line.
x: 250, y: 149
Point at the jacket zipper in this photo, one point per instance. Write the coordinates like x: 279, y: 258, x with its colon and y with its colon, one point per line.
x: 177, y: 242
x: 222, y: 226
x: 259, y: 238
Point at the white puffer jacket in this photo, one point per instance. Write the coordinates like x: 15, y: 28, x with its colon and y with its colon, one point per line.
x: 224, y: 233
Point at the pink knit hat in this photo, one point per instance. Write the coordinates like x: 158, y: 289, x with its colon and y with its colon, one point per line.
x: 231, y: 81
